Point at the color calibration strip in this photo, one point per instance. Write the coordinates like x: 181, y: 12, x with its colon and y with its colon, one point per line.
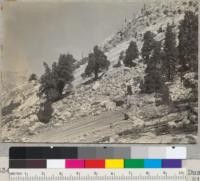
x: 93, y: 164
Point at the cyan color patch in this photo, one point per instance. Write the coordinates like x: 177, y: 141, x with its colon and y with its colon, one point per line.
x: 152, y: 163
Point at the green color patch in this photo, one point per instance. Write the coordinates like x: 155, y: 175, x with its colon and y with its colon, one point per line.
x: 134, y: 163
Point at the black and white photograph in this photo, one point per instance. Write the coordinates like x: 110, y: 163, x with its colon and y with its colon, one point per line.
x: 99, y: 71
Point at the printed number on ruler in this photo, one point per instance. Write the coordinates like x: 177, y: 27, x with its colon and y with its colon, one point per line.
x: 4, y: 171
x: 97, y: 174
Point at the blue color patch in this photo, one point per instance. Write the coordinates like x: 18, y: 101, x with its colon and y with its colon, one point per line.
x: 152, y: 163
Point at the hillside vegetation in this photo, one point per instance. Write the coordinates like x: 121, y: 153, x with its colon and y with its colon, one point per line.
x: 138, y: 86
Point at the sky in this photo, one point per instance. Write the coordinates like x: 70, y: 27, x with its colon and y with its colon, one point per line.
x: 40, y: 31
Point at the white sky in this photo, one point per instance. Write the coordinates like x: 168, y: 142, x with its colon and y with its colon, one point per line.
x: 37, y: 32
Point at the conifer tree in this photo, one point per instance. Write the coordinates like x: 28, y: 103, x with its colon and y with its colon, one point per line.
x: 97, y: 62
x: 90, y: 66
x: 188, y: 49
x: 148, y: 43
x: 170, y: 54
x: 47, y: 82
x: 54, y: 79
x: 188, y: 42
x: 131, y: 54
x: 153, y: 79
x: 63, y: 71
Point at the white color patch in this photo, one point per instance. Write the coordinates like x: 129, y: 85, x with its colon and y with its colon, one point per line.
x: 176, y: 153
x: 56, y: 163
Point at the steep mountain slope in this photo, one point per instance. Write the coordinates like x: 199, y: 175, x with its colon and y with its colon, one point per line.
x: 151, y: 18
x: 101, y: 111
x: 9, y: 80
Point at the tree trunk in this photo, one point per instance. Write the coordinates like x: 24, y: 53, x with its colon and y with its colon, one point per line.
x: 169, y: 73
x: 96, y: 73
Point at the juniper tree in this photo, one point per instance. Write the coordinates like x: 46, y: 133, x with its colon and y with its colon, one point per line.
x: 131, y: 54
x: 97, y: 62
x: 54, y: 79
x: 63, y: 71
x: 47, y: 82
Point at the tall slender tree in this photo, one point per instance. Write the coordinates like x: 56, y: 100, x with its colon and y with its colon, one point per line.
x: 148, y: 43
x: 188, y: 48
x: 188, y: 42
x: 170, y: 54
x: 47, y: 81
x: 153, y: 79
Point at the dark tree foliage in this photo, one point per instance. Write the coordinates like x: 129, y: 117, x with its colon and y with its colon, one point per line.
x: 170, y: 54
x: 188, y: 42
x: 129, y: 90
x: 160, y: 30
x: 45, y: 112
x: 48, y: 82
x: 131, y: 54
x: 148, y: 43
x: 91, y: 64
x: 188, y: 49
x: 63, y: 71
x: 153, y: 79
x: 32, y: 77
x: 54, y: 79
x: 97, y: 62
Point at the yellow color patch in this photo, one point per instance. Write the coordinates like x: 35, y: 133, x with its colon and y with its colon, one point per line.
x: 114, y: 163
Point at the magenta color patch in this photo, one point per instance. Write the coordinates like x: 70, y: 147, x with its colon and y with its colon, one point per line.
x: 74, y: 163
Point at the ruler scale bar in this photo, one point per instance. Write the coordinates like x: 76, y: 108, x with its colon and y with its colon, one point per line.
x: 98, y: 174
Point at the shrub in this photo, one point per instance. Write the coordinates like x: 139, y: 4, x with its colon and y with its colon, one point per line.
x: 190, y: 3
x: 179, y: 11
x: 184, y: 3
x: 165, y: 12
x: 160, y: 30
x: 8, y: 109
x: 32, y: 77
